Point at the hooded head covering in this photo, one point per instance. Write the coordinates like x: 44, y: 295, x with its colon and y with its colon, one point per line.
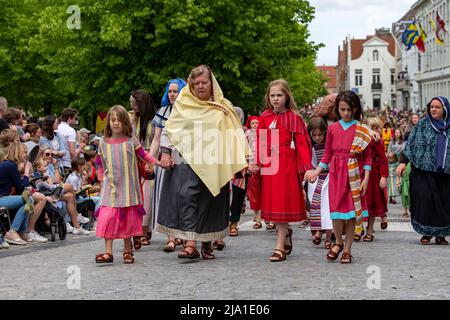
x: 440, y: 126
x: 249, y: 121
x: 204, y: 133
x: 165, y: 99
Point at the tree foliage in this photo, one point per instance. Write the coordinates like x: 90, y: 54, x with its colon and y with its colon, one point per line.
x: 123, y: 45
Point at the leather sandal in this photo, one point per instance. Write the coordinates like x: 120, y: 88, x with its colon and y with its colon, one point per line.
x: 137, y: 243
x: 233, y: 232
x: 317, y: 239
x: 327, y: 244
x: 170, y: 246
x: 357, y: 236
x: 185, y: 253
x: 332, y: 255
x: 384, y: 224
x: 288, y: 247
x: 128, y: 258
x: 270, y: 226
x: 145, y: 241
x: 218, y: 245
x: 368, y: 238
x: 425, y: 240
x: 441, y: 241
x: 104, y: 258
x: 346, y: 258
x: 277, y: 257
x: 257, y: 225
x: 207, y: 251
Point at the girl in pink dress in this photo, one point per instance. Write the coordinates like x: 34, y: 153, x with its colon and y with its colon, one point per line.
x: 349, y: 162
x: 120, y: 213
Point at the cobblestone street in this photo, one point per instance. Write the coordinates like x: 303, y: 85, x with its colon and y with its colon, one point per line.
x: 394, y: 266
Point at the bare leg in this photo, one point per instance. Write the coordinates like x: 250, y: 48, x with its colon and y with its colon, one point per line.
x: 370, y: 226
x: 69, y: 198
x: 282, y: 232
x: 349, y: 233
x: 39, y: 204
x: 108, y: 246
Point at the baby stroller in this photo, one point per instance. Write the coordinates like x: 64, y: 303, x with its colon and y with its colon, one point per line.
x: 55, y: 214
x: 86, y: 206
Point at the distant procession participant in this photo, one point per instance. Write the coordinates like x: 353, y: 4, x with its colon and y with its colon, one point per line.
x: 143, y: 111
x: 282, y: 162
x: 254, y: 181
x: 173, y: 88
x: 377, y: 192
x: 428, y: 152
x: 195, y: 205
x: 320, y: 221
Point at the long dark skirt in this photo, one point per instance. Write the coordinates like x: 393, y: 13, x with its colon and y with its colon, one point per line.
x: 430, y: 202
x: 188, y: 210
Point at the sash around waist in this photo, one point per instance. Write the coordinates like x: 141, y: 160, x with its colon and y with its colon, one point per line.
x: 342, y: 154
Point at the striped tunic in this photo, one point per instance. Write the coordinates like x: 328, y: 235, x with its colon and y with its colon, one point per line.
x: 121, y: 180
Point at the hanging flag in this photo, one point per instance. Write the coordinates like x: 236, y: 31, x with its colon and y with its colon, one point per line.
x: 422, y: 37
x: 420, y: 43
x: 433, y: 26
x: 410, y: 36
x: 439, y: 29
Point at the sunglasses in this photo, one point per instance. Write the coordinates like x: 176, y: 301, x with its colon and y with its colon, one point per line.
x: 48, y: 154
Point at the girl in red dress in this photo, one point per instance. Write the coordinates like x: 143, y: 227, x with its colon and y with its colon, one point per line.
x: 348, y: 159
x: 283, y: 156
x: 377, y: 192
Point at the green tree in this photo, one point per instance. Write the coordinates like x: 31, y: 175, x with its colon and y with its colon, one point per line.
x: 123, y: 45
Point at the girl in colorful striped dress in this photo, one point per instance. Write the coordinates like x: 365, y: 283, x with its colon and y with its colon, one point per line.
x: 120, y: 213
x: 320, y: 221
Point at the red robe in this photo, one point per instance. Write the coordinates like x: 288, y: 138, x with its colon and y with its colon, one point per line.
x: 283, y: 167
x: 377, y: 197
x: 337, y: 153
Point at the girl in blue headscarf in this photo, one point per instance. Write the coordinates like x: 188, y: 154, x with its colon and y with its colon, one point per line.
x: 428, y: 151
x: 173, y: 88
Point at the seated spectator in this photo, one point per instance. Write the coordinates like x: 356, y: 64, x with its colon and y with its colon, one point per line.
x: 75, y: 179
x: 35, y: 132
x: 8, y: 136
x: 90, y: 156
x: 12, y: 185
x: 13, y: 116
x: 52, y: 139
x: 51, y: 169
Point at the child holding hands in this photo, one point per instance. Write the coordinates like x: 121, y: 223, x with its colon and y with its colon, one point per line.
x: 120, y: 213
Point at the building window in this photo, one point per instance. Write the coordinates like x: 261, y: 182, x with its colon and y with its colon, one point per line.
x: 358, y: 78
x: 376, y: 55
x: 376, y: 101
x: 392, y: 77
x: 376, y: 76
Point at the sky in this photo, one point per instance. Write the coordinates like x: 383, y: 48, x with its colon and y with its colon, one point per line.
x: 335, y: 19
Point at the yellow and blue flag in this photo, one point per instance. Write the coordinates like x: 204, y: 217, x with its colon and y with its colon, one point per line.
x: 411, y: 35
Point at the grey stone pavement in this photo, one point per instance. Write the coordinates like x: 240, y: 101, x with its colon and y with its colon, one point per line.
x: 394, y: 266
